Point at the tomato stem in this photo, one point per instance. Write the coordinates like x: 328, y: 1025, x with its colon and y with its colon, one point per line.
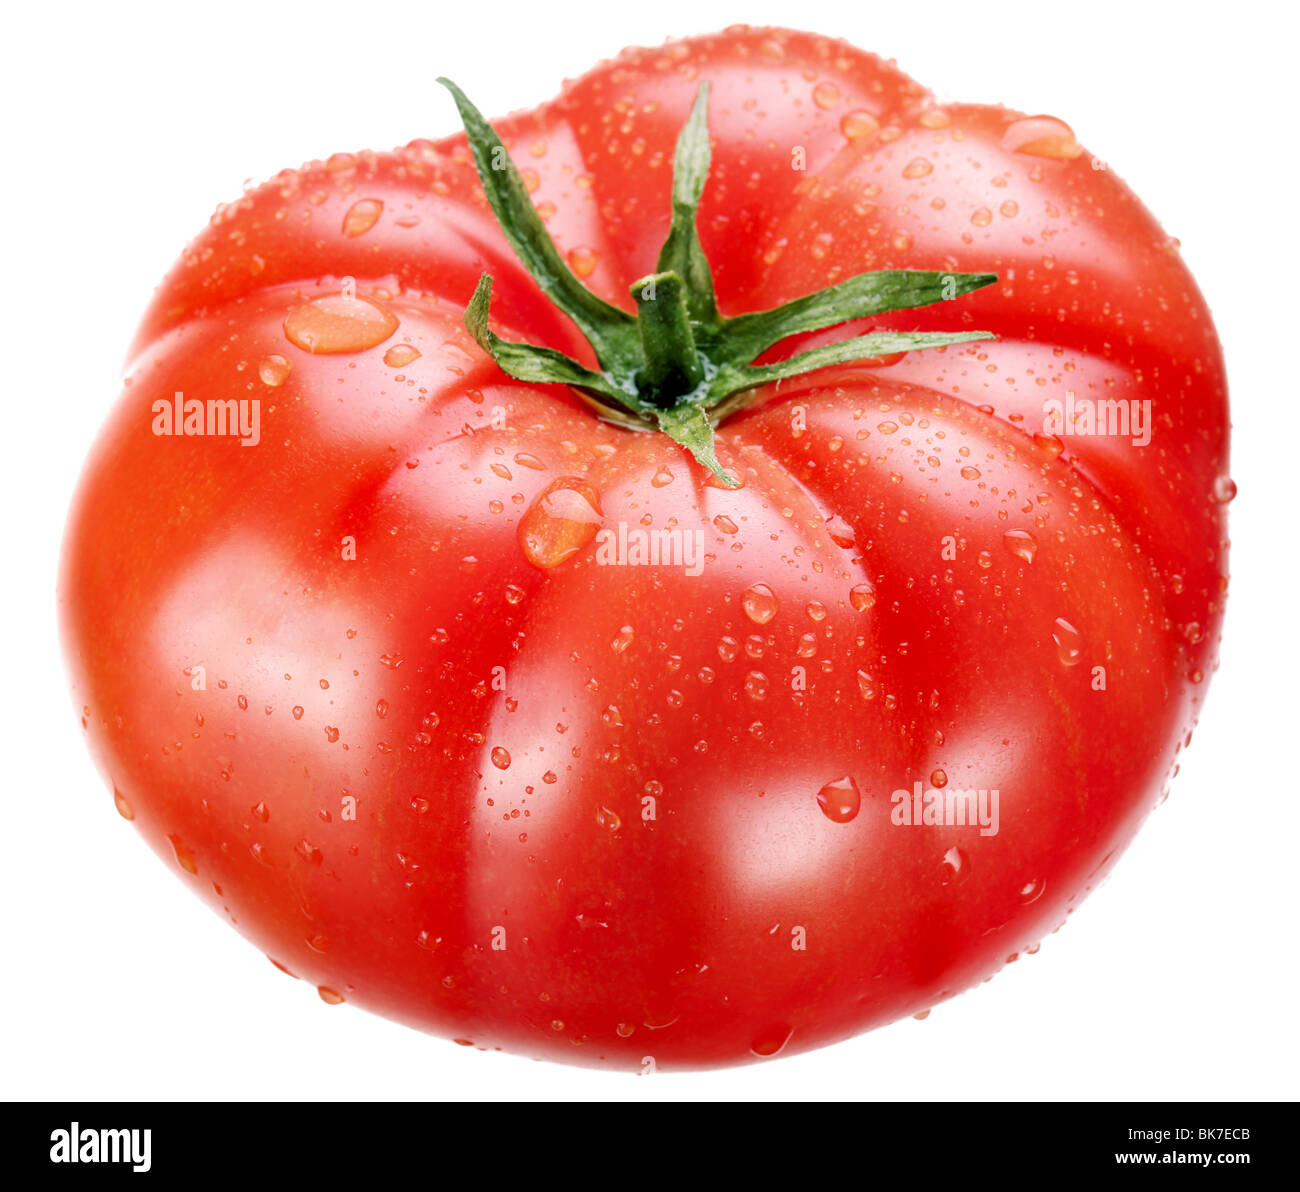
x: 678, y: 364
x: 674, y: 368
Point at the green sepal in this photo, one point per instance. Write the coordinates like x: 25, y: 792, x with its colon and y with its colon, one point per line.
x: 611, y: 332
x: 749, y: 336
x: 527, y: 362
x: 689, y: 425
x: 682, y: 253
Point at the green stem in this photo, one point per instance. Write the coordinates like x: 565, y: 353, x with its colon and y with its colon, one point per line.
x: 678, y: 365
x: 673, y: 367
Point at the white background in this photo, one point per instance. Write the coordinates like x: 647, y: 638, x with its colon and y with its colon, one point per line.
x: 124, y: 126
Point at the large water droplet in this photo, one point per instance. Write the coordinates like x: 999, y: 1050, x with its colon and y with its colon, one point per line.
x: 760, y: 604
x: 1020, y: 543
x: 339, y: 323
x: 274, y: 370
x: 1042, y: 136
x: 840, y: 800
x: 362, y: 216
x: 560, y: 522
x: 841, y: 533
x: 862, y: 597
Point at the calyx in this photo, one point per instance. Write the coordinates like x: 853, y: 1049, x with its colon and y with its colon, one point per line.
x: 678, y: 364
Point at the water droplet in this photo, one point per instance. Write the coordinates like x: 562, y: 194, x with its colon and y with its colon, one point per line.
x: 274, y: 370
x: 1069, y: 642
x: 501, y: 758
x: 862, y: 597
x: 1032, y: 890
x: 956, y: 866
x: 771, y: 1041
x: 400, y: 355
x: 866, y: 685
x: 970, y: 473
x: 560, y: 522
x: 622, y: 639
x: 840, y: 800
x: 859, y: 125
x: 1042, y: 136
x: 331, y: 734
x: 608, y: 819
x: 760, y: 604
x: 583, y: 261
x: 918, y: 167
x: 1020, y: 543
x: 184, y: 855
x: 1224, y: 489
x: 124, y: 809
x: 339, y: 323
x: 939, y: 778
x: 362, y: 216
x: 329, y: 996
x: 826, y: 95
x: 841, y: 533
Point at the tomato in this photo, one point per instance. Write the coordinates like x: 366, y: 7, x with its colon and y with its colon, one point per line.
x: 509, y: 718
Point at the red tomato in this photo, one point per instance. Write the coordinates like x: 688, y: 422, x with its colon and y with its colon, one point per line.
x: 391, y: 689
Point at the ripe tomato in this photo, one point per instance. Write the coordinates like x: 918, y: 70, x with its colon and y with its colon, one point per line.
x: 389, y: 681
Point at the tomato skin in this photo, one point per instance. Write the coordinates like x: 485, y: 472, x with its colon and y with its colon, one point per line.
x: 572, y: 811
